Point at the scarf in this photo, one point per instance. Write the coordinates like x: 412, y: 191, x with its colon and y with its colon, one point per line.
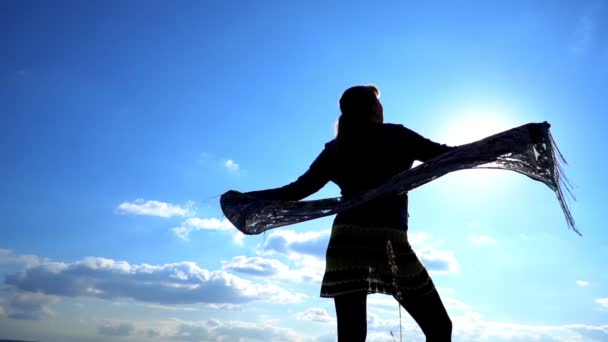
x: 529, y: 150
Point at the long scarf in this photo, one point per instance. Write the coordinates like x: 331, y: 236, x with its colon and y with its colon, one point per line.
x: 528, y: 149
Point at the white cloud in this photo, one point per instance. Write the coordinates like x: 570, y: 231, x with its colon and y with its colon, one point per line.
x: 290, y: 242
x: 193, y: 224
x: 238, y: 238
x: 153, y: 208
x: 215, y: 330
x: 257, y: 266
x: 175, y: 283
x: 417, y: 238
x: 30, y: 306
x: 603, y: 302
x: 472, y: 328
x: 225, y: 307
x: 306, y: 268
x: 523, y: 236
x: 438, y: 261
x: 198, y: 307
x: 386, y: 325
x: 211, y: 160
x: 116, y: 329
x: 378, y: 300
x: 480, y: 240
x: 305, y: 250
x: 231, y: 165
x: 446, y: 290
x: 469, y: 325
x: 453, y: 304
x: 582, y: 283
x: 382, y: 304
x: 9, y: 257
x: 171, y: 307
x: 316, y: 315
x: 175, y: 329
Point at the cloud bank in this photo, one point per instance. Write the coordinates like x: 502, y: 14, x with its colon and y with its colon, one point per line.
x: 28, y: 306
x: 175, y: 283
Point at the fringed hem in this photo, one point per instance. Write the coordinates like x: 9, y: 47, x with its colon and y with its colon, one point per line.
x: 372, y: 260
x: 562, y: 183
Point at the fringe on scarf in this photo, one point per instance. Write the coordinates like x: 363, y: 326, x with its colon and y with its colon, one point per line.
x: 529, y: 149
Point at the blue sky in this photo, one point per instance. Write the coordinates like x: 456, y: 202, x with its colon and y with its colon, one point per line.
x: 122, y: 123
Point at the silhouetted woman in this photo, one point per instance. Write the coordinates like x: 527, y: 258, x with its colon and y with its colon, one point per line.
x: 365, y: 154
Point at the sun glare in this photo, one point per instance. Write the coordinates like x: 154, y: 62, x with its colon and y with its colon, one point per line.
x: 469, y: 125
x: 473, y: 124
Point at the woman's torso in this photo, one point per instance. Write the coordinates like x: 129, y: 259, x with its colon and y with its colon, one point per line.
x: 379, y: 153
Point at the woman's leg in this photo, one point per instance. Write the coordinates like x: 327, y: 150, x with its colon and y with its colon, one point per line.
x: 351, y: 313
x: 430, y: 314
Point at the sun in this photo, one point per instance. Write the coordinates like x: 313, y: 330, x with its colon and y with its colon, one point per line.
x: 468, y: 125
x: 472, y: 124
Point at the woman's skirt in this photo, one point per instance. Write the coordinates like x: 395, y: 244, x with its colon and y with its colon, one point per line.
x: 373, y: 260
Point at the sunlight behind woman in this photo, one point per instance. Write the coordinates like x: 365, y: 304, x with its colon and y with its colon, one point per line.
x: 473, y: 124
x: 468, y: 125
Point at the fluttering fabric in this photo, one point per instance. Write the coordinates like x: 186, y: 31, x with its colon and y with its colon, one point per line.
x: 529, y: 149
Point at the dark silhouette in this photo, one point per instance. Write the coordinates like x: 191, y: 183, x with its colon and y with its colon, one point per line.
x: 368, y: 251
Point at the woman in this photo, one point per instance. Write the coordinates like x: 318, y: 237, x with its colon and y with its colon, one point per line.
x: 368, y: 251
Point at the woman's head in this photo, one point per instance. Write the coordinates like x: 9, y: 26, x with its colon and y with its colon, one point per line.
x: 360, y: 107
x: 361, y: 104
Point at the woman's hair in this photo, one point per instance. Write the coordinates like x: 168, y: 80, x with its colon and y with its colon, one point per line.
x: 358, y: 105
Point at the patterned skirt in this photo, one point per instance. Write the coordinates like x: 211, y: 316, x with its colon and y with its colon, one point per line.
x: 373, y: 260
